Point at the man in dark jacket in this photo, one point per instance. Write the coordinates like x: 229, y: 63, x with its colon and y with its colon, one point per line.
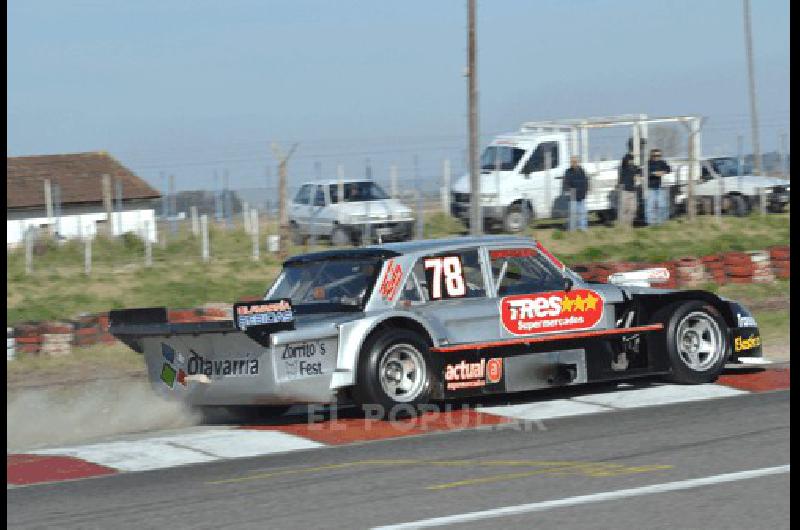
x: 626, y: 207
x: 656, y: 210
x: 575, y: 180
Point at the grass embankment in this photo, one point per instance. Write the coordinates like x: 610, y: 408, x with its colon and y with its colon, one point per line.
x: 59, y: 289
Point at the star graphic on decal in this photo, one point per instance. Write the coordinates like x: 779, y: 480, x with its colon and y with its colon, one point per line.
x: 579, y: 303
x: 591, y: 301
x: 566, y: 304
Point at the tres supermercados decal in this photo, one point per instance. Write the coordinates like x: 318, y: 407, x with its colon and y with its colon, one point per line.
x: 527, y: 314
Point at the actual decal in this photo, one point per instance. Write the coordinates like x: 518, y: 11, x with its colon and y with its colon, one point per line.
x: 391, y: 280
x: 466, y: 374
x: 445, y: 277
x: 553, y: 311
x: 168, y: 375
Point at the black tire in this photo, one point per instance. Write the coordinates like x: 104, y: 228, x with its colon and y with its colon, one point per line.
x: 297, y: 237
x: 378, y: 354
x: 340, y: 237
x: 517, y: 218
x: 687, y: 326
x: 738, y: 206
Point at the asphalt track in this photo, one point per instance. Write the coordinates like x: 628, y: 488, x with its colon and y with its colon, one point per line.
x: 454, y: 473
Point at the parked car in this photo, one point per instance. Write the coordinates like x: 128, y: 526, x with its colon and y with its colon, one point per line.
x: 366, y: 213
x: 403, y: 324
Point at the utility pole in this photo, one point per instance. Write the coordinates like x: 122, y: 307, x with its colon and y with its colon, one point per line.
x: 475, y: 217
x: 283, y: 220
x: 748, y: 39
x: 108, y: 204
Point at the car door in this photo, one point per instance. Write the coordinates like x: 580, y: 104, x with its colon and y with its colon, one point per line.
x: 319, y: 224
x: 542, y: 181
x: 454, y: 286
x: 532, y: 298
x: 300, y: 208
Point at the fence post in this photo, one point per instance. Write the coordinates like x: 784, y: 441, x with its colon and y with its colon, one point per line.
x: 29, y: 251
x: 393, y: 177
x: 445, y: 192
x: 87, y: 255
x: 420, y: 217
x: 762, y: 193
x: 246, y: 217
x: 48, y: 203
x: 572, y: 210
x: 204, y: 231
x: 148, y: 246
x: 195, y: 225
x: 254, y: 231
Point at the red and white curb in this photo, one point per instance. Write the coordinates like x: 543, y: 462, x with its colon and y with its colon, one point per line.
x: 208, y: 444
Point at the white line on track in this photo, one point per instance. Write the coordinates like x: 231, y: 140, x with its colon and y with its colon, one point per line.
x: 587, y: 499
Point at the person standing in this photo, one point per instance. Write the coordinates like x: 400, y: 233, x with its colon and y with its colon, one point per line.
x: 577, y: 184
x: 656, y: 211
x: 626, y: 207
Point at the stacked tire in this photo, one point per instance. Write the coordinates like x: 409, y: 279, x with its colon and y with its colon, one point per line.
x: 762, y: 269
x: 779, y: 260
x: 690, y: 272
x: 738, y: 267
x: 672, y: 282
x: 715, y: 268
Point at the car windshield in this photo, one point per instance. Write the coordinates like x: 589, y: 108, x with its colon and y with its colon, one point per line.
x: 329, y: 285
x: 502, y: 157
x: 358, y: 192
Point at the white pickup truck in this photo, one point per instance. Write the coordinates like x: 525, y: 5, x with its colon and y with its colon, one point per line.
x: 516, y: 185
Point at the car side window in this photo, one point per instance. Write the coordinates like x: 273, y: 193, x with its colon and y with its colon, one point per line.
x: 303, y: 195
x: 538, y: 160
x: 446, y: 275
x: 319, y: 196
x: 522, y: 271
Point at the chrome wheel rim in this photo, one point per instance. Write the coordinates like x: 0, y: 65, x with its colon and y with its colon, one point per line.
x: 402, y: 373
x: 700, y: 341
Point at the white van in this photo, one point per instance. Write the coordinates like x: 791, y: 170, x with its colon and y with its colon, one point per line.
x: 367, y: 213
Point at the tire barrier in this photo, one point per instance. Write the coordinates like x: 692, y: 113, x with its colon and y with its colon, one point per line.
x: 727, y: 267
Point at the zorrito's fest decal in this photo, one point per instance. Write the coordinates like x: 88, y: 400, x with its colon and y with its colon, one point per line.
x: 391, y: 280
x: 526, y: 314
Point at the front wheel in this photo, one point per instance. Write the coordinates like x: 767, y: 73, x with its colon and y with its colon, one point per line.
x: 695, y: 340
x: 516, y: 219
x: 394, y: 374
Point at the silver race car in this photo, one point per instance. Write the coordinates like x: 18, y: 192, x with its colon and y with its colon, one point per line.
x: 403, y: 324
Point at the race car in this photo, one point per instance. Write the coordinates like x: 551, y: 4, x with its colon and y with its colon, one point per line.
x: 407, y: 324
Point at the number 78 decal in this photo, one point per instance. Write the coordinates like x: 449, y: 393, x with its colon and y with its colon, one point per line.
x: 445, y: 270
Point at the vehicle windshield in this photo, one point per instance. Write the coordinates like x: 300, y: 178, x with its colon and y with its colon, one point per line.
x: 502, y: 157
x: 329, y: 285
x: 358, y: 192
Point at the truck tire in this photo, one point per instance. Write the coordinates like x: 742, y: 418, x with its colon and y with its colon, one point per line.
x: 517, y: 218
x: 340, y: 237
x: 738, y: 206
x: 694, y: 340
x: 394, y: 375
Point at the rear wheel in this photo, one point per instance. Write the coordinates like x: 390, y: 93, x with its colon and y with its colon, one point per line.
x: 394, y: 375
x: 737, y: 205
x: 297, y: 237
x: 695, y: 340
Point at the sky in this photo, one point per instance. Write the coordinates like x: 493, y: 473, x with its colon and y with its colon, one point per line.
x: 197, y: 87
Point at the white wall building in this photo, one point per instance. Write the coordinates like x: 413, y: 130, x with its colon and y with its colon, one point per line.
x: 74, y: 183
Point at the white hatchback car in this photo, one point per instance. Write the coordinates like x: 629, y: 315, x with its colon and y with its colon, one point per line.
x: 367, y: 213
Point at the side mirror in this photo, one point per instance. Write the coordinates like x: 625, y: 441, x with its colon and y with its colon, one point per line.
x: 568, y: 283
